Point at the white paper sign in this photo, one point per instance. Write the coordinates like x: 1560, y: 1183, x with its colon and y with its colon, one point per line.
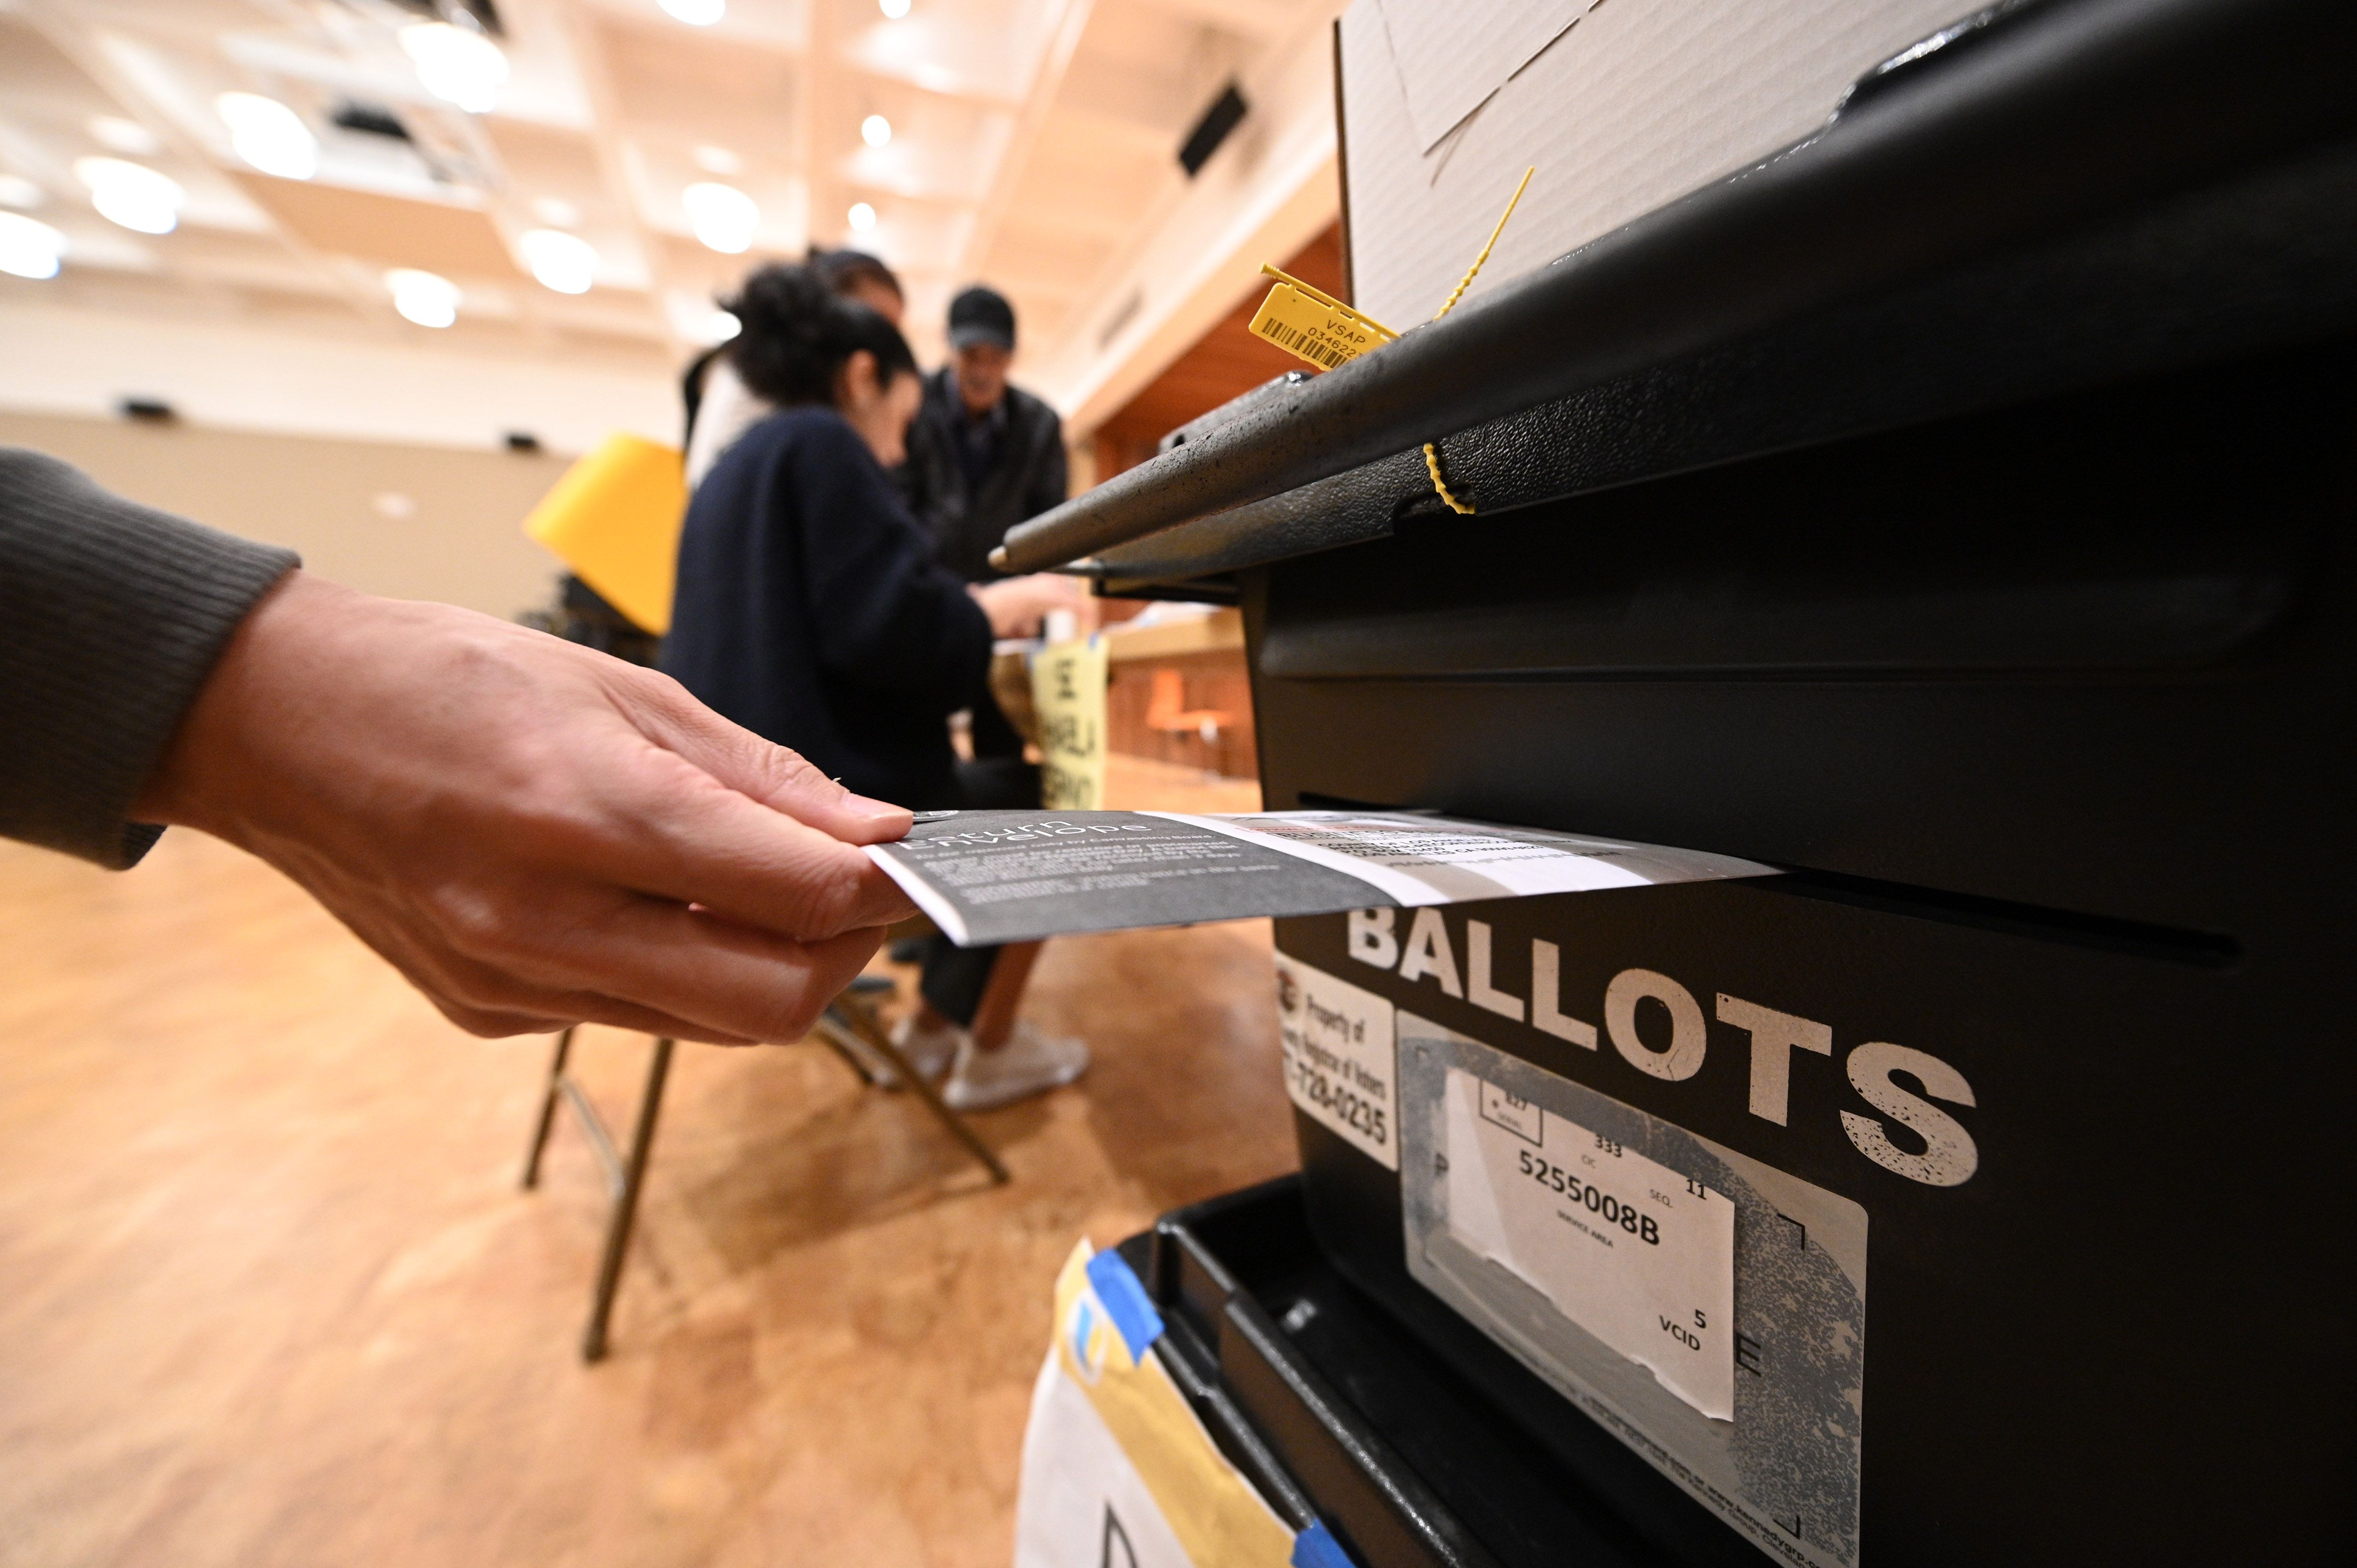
x: 1636, y: 1254
x: 1083, y: 1503
x: 1339, y: 1065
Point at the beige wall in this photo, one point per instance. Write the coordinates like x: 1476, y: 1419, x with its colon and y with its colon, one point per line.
x: 334, y: 500
x: 354, y: 385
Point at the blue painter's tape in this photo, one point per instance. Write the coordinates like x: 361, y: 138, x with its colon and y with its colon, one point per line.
x: 1316, y: 1548
x: 1125, y: 1302
x: 1084, y: 1323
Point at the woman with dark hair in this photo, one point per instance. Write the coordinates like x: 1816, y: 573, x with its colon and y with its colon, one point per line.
x: 809, y: 608
x: 719, y: 408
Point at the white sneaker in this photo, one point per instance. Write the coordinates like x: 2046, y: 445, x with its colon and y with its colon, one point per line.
x: 1030, y: 1063
x: 930, y: 1048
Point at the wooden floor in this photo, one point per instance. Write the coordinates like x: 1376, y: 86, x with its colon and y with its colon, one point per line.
x: 269, y: 1294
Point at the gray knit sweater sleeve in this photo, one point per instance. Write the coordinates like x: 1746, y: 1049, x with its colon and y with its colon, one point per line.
x: 111, y: 617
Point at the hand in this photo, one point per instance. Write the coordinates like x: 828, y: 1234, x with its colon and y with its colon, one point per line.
x: 1016, y: 605
x: 534, y: 834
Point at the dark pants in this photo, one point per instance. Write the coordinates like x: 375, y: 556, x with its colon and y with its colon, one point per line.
x: 955, y: 977
x: 995, y: 737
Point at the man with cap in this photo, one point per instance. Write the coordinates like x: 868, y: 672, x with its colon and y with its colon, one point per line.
x: 983, y: 455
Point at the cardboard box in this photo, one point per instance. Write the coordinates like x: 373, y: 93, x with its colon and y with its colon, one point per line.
x: 1622, y: 105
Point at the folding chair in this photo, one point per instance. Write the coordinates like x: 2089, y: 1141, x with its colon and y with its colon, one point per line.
x: 849, y: 1026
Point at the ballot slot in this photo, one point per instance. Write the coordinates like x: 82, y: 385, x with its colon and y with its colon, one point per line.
x: 2201, y: 950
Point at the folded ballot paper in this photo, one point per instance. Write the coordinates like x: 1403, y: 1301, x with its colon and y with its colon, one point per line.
x: 1011, y: 877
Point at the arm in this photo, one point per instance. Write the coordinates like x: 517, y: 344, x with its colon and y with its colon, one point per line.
x: 1016, y: 604
x: 534, y: 834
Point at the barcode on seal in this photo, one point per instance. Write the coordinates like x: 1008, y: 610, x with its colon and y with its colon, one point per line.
x: 1312, y: 329
x: 1310, y: 346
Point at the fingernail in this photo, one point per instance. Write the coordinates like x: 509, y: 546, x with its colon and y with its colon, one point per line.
x: 869, y: 808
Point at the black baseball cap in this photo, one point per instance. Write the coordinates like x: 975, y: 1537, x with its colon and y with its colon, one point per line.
x: 981, y: 316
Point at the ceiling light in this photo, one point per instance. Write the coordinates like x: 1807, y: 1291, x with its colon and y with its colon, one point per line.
x: 16, y: 190
x: 696, y: 13
x: 894, y: 9
x: 723, y: 216
x: 132, y: 194
x: 555, y: 213
x: 29, y: 249
x: 465, y: 68
x: 563, y: 262
x: 269, y: 136
x: 428, y: 298
x: 861, y: 216
x: 875, y: 131
x: 118, y: 134
x: 718, y: 160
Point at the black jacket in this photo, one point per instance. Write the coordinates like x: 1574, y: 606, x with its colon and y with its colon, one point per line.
x: 809, y: 609
x: 1027, y: 480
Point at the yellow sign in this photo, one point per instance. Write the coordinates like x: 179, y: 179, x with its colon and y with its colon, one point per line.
x: 1068, y: 688
x: 614, y: 518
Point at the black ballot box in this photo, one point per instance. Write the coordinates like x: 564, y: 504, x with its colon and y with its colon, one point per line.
x: 2027, y: 1084
x: 1972, y: 1191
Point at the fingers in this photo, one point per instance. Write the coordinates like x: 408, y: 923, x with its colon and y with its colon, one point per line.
x: 710, y: 845
x: 717, y: 976
x: 641, y: 963
x: 778, y: 778
x: 657, y: 970
x: 583, y: 1008
x: 718, y: 816
x: 488, y: 995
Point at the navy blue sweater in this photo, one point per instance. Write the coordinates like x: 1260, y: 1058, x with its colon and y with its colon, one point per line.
x: 810, y: 611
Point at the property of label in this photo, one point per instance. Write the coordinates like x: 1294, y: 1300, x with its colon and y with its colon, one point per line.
x: 1640, y: 1256
x: 1339, y: 1062
x: 1311, y: 329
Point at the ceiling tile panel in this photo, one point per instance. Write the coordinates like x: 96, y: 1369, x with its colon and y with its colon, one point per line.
x: 698, y: 88
x: 445, y: 239
x: 1045, y: 129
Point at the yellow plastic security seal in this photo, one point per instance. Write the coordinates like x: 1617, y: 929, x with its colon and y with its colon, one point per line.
x: 1432, y: 448
x: 1313, y: 325
x: 1317, y: 328
x: 614, y: 519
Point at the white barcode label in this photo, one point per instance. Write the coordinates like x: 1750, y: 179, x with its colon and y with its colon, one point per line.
x: 1638, y: 1255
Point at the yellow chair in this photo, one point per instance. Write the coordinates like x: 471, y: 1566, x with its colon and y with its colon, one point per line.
x: 614, y: 519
